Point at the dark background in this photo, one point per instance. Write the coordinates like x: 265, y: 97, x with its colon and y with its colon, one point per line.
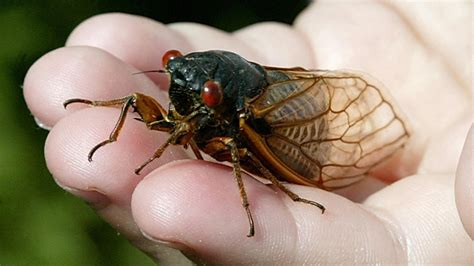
x: 40, y: 223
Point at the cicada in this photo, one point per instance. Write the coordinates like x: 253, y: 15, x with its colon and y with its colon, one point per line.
x: 319, y: 128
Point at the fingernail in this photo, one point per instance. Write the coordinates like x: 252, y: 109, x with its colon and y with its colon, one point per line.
x: 41, y: 124
x: 97, y: 199
x: 187, y: 251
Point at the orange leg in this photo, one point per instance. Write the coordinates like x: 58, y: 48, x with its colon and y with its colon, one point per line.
x: 220, y: 148
x: 234, y: 151
x: 149, y: 110
x: 267, y: 174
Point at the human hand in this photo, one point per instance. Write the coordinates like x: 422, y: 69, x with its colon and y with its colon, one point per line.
x: 195, y: 206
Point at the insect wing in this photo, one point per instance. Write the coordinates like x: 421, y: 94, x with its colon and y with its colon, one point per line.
x: 328, y: 127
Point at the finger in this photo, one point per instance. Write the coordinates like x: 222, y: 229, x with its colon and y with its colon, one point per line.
x: 79, y: 72
x: 197, y: 205
x: 107, y: 185
x: 464, y: 186
x: 202, y: 38
x: 278, y: 44
x: 108, y: 181
x: 421, y: 212
x: 446, y: 146
x: 138, y: 41
x: 448, y: 37
x: 112, y: 168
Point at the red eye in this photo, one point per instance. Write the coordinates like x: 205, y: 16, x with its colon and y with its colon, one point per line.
x: 171, y: 54
x: 212, y: 94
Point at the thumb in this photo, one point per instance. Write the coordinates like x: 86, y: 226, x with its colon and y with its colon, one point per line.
x: 464, y: 186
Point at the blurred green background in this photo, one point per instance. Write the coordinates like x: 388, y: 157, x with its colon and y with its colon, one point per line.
x: 40, y: 224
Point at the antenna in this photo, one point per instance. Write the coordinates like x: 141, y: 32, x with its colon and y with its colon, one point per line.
x: 151, y: 71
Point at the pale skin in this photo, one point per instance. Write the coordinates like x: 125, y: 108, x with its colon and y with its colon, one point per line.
x: 194, y: 206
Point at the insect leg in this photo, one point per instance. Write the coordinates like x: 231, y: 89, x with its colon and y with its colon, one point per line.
x: 126, y: 102
x: 113, y: 102
x: 156, y: 155
x: 234, y: 151
x: 267, y: 174
x: 181, y: 131
x: 148, y: 109
x: 195, y: 149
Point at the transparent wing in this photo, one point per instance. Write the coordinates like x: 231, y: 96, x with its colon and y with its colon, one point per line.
x: 330, y: 127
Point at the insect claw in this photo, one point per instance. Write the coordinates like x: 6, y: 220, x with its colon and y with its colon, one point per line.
x: 76, y: 100
x: 314, y: 203
x: 251, y: 233
x: 156, y: 155
x: 96, y: 147
x: 323, y: 209
x: 91, y: 153
x: 251, y: 224
x: 137, y: 171
x: 158, y: 152
x: 140, y: 168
